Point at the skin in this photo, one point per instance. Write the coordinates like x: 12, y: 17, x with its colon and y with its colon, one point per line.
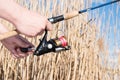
x: 13, y: 44
x: 26, y: 22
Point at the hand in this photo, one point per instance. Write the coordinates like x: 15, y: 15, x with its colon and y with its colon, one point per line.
x: 26, y: 22
x: 32, y: 24
x: 13, y: 44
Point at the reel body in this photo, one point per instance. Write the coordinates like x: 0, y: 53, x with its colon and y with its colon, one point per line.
x: 53, y: 45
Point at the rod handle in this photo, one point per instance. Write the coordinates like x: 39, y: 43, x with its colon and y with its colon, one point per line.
x: 71, y: 15
x: 7, y: 35
x: 66, y: 16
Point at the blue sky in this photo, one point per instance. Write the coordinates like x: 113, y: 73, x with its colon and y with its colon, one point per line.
x: 109, y: 19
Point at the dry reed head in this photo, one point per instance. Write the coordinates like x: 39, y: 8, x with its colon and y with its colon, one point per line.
x: 101, y: 44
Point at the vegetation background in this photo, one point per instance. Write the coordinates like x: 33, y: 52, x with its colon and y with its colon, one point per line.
x: 89, y: 57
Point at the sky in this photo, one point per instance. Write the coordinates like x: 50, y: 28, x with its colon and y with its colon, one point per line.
x: 109, y: 19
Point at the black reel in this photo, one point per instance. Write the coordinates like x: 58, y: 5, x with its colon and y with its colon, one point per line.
x: 53, y: 45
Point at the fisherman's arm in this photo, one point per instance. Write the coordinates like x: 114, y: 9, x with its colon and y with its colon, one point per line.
x: 26, y: 22
x: 10, y: 10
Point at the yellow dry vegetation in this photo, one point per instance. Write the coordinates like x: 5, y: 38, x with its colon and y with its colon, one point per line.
x: 82, y: 62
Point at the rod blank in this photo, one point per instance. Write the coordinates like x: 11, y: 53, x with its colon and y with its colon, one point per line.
x: 96, y: 7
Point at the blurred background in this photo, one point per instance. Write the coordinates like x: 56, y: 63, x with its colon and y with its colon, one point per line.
x: 93, y: 36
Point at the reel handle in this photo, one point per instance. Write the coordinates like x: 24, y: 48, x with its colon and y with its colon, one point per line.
x: 25, y: 50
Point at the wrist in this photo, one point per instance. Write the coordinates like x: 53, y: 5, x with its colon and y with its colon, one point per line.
x: 11, y: 11
x: 17, y: 13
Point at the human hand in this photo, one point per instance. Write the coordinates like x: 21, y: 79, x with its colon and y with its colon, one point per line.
x: 27, y: 22
x: 32, y: 24
x: 13, y: 44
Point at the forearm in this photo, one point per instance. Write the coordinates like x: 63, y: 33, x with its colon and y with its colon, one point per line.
x: 10, y: 10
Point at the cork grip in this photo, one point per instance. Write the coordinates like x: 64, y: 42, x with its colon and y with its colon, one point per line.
x: 7, y: 35
x: 71, y: 15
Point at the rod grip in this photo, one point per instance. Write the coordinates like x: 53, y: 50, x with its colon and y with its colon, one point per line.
x: 71, y: 15
x: 66, y: 16
x: 7, y: 35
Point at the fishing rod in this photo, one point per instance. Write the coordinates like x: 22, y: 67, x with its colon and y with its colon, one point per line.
x: 56, y: 44
x: 76, y: 13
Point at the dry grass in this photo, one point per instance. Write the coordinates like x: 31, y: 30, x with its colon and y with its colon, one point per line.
x: 82, y: 62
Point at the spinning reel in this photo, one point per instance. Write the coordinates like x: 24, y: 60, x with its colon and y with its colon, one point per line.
x: 52, y: 45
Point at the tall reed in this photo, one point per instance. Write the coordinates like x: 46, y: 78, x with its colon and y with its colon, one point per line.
x: 82, y: 62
